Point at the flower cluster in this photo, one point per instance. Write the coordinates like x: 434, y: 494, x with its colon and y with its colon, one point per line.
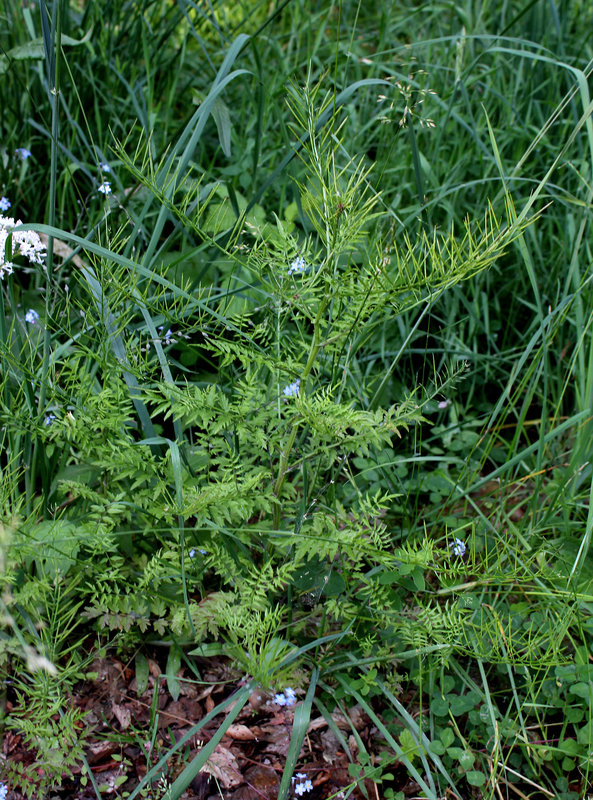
x: 3, y: 791
x: 29, y: 244
x: 298, y: 265
x: 31, y: 316
x: 292, y: 389
x: 305, y: 786
x: 167, y: 336
x: 458, y: 547
x: 286, y: 698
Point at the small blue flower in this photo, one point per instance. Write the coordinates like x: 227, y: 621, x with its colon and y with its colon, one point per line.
x: 3, y: 791
x: 104, y: 167
x: 167, y: 336
x: 49, y: 418
x: 4, y: 203
x: 292, y: 389
x: 22, y: 153
x: 458, y: 547
x: 105, y: 188
x: 31, y: 316
x: 298, y: 265
x: 285, y: 698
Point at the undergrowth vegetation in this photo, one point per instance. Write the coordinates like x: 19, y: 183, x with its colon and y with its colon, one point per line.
x: 296, y: 372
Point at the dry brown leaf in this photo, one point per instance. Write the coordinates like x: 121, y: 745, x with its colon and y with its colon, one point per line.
x: 223, y: 766
x: 63, y: 250
x: 241, y: 732
x: 122, y: 714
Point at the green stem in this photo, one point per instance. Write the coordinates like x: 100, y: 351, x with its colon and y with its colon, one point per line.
x: 54, y: 92
x: 315, y: 345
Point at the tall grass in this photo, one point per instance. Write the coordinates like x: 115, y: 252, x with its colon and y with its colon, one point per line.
x: 391, y: 206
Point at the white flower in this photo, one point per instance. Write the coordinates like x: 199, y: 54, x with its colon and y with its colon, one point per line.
x: 29, y: 244
x: 105, y: 188
x: 292, y: 389
x: 104, y: 167
x: 444, y: 403
x: 458, y: 547
x: 31, y: 316
x: 6, y: 269
x: 301, y: 788
x: 4, y: 203
x: 290, y: 696
x: 22, y: 153
x: 298, y: 265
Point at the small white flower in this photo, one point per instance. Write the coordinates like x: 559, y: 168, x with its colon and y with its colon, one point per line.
x: 444, y: 403
x: 6, y: 269
x: 290, y: 696
x: 458, y: 547
x: 292, y: 389
x: 298, y: 265
x: 22, y: 153
x: 104, y: 167
x: 31, y: 316
x: 301, y: 788
x: 105, y: 188
x: 4, y: 203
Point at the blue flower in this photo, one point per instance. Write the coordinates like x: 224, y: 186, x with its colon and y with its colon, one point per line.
x: 104, y: 167
x: 4, y: 203
x: 31, y: 316
x: 298, y: 265
x: 49, y: 418
x: 167, y: 337
x: 286, y: 698
x: 22, y: 153
x: 3, y: 791
x: 292, y: 389
x: 458, y: 547
x: 105, y: 188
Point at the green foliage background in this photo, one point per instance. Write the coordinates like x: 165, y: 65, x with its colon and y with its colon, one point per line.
x: 332, y: 319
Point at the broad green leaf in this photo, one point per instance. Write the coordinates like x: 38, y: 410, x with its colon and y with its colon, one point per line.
x: 35, y: 51
x: 173, y: 665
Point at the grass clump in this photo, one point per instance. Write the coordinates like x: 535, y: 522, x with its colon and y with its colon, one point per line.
x: 295, y: 377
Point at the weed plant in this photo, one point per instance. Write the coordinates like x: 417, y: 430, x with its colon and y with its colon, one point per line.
x: 296, y: 370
